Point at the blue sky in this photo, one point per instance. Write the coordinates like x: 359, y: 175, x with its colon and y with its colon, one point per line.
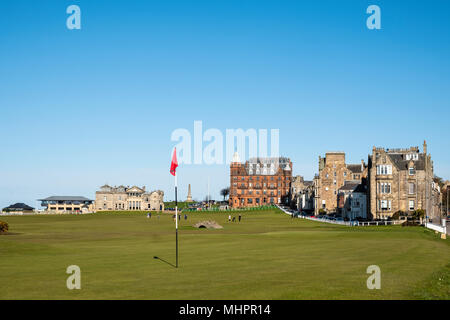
x: 80, y: 108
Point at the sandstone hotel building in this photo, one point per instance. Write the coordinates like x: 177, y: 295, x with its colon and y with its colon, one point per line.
x: 260, y: 181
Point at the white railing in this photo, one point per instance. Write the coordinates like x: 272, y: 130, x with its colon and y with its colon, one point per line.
x: 347, y: 223
x: 435, y: 227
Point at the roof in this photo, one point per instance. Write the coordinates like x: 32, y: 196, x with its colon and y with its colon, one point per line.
x: 355, y: 168
x: 399, y: 160
x: 65, y: 198
x: 353, y: 186
x: 349, y: 186
x: 20, y: 206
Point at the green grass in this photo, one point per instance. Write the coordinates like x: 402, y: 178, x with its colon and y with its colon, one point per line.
x: 266, y: 256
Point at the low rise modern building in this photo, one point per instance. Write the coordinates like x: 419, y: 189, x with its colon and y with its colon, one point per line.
x: 18, y: 207
x: 128, y: 198
x: 63, y: 204
x: 259, y: 181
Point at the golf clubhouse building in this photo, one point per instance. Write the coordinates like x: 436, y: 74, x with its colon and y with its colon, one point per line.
x: 62, y: 204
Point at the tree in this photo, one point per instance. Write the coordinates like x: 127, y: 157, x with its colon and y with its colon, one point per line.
x: 225, y: 192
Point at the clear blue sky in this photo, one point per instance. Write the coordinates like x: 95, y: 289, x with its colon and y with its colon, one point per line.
x: 80, y: 108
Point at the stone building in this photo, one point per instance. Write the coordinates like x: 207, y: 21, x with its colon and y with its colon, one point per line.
x: 259, y: 181
x: 128, y: 198
x: 302, y: 194
x: 333, y: 173
x: 352, y: 200
x: 402, y: 180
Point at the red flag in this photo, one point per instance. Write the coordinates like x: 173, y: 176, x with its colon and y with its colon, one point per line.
x: 174, y: 164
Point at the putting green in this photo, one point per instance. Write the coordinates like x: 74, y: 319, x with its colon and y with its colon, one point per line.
x: 265, y: 256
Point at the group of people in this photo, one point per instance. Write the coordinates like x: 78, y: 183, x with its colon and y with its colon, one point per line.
x: 179, y: 217
x: 234, y: 218
x: 149, y: 215
x: 230, y: 219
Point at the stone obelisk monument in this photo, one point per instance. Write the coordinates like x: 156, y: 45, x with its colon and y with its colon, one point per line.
x: 189, y: 196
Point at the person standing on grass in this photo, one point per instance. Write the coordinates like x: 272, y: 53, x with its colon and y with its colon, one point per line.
x: 150, y: 215
x: 185, y: 216
x: 229, y: 217
x: 240, y: 217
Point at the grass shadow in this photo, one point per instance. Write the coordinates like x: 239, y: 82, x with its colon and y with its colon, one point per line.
x: 165, y: 261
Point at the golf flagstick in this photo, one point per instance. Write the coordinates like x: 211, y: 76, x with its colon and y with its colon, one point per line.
x: 173, y: 169
x: 176, y: 221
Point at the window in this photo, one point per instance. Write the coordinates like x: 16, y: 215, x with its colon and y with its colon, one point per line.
x: 384, y: 169
x: 323, y: 203
x: 411, y: 205
x: 412, y: 188
x: 345, y: 174
x: 385, y: 205
x: 412, y: 171
x: 413, y: 156
x: 384, y: 187
x: 326, y: 188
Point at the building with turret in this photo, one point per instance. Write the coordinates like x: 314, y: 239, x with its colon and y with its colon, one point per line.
x: 260, y: 181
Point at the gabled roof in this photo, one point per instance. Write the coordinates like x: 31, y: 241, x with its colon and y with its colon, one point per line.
x: 135, y: 188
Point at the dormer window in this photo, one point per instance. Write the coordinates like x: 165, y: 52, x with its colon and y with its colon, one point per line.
x: 412, y: 156
x: 412, y: 171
